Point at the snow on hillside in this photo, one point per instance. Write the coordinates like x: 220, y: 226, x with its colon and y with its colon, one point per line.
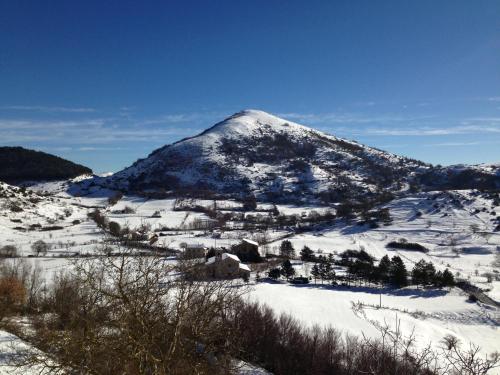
x: 429, y: 314
x: 457, y: 227
x: 10, y: 348
x: 27, y: 216
x: 255, y: 152
x: 299, y: 173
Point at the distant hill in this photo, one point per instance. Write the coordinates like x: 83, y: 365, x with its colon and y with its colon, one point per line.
x: 19, y: 164
x: 254, y: 153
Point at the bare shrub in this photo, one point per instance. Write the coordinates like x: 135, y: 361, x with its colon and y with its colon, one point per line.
x: 468, y: 361
x: 128, y: 210
x: 114, y: 228
x: 29, y: 276
x: 127, y: 315
x: 8, y: 251
x: 115, y: 198
x: 98, y: 218
x: 12, y: 296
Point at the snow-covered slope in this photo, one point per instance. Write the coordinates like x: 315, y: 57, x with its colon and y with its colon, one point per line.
x: 27, y: 216
x: 256, y: 153
x: 253, y: 152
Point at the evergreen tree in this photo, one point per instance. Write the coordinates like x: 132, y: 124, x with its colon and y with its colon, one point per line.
x: 274, y: 273
x: 306, y: 254
x: 286, y: 249
x: 385, y: 216
x: 430, y: 273
x: 287, y: 270
x: 398, y: 275
x: 418, y: 273
x: 447, y: 278
x: 249, y: 203
x: 438, y: 279
x: 346, y: 211
x: 326, y: 271
x: 423, y: 273
x: 384, y: 269
x: 316, y: 272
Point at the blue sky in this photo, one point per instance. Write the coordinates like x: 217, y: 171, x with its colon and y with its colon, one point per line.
x: 106, y: 82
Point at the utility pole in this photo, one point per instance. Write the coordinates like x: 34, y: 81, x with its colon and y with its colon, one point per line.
x: 380, y: 298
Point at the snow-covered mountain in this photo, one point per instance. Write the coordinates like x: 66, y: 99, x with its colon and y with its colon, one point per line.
x: 256, y: 153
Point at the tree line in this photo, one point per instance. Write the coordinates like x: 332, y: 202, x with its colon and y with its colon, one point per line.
x: 361, y: 268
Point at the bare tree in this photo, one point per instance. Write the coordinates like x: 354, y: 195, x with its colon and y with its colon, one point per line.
x: 40, y: 247
x: 469, y: 361
x: 135, y: 315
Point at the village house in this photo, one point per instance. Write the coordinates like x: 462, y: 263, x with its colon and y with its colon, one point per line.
x: 223, y: 266
x: 248, y: 251
x: 193, y: 251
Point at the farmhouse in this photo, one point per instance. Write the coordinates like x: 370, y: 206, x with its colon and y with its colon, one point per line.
x: 226, y: 265
x: 193, y: 251
x: 248, y: 251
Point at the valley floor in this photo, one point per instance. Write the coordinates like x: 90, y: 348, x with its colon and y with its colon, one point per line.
x: 459, y: 236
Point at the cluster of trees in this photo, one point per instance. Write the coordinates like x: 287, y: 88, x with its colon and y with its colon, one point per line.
x: 405, y: 245
x: 116, y: 230
x: 119, y: 315
x: 323, y: 271
x: 39, y: 247
x: 361, y: 267
x: 424, y: 273
x: 365, y: 209
x: 8, y: 251
x: 393, y: 271
x: 286, y: 270
x: 281, y: 345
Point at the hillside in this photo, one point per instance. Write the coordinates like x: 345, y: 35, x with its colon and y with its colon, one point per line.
x: 18, y: 164
x: 253, y: 153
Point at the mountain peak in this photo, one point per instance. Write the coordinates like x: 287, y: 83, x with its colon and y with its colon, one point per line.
x: 255, y: 113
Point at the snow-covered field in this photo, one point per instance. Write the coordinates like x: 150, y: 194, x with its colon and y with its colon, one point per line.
x: 457, y: 228
x: 10, y: 347
x: 57, y: 219
x: 429, y: 314
x: 446, y: 231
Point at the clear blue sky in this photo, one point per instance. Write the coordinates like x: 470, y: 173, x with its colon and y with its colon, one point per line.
x: 106, y: 82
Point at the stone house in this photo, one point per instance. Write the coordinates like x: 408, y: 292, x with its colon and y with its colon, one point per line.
x: 248, y: 251
x: 226, y: 266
